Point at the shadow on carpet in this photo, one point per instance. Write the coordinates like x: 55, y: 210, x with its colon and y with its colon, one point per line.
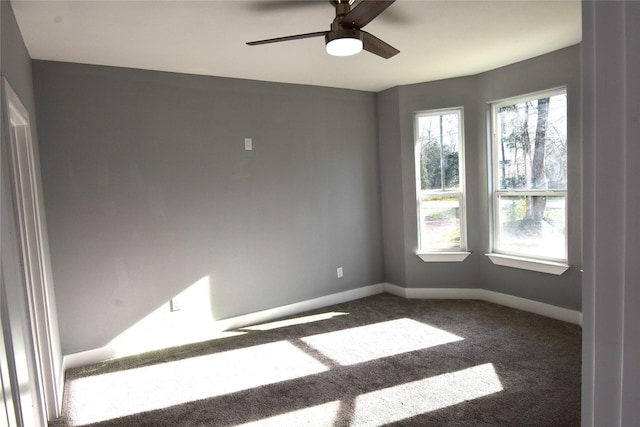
x: 381, y: 360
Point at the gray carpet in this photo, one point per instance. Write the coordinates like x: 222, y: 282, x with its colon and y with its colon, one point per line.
x: 381, y: 360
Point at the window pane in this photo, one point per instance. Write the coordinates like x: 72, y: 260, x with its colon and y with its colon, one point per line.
x: 532, y: 144
x: 532, y: 225
x: 440, y: 222
x: 439, y: 138
x: 438, y: 167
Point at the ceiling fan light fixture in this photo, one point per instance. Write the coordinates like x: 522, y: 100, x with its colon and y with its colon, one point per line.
x: 344, y: 42
x: 345, y: 37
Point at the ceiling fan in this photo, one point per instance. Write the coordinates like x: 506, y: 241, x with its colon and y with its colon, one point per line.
x: 346, y: 36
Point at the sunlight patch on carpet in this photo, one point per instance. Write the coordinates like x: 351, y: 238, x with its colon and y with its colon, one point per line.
x: 174, y: 383
x: 408, y: 400
x: 371, y: 342
x: 320, y: 415
x: 296, y: 321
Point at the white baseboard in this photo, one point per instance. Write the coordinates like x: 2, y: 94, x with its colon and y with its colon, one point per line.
x: 299, y: 307
x: 89, y: 357
x: 433, y: 293
x: 547, y: 310
x: 543, y: 309
x: 109, y: 351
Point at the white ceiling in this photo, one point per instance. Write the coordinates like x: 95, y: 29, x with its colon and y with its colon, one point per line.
x: 436, y: 39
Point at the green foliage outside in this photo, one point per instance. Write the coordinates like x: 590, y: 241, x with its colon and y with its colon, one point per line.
x: 431, y: 163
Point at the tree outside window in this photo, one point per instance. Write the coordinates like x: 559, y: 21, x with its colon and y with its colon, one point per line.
x: 530, y: 176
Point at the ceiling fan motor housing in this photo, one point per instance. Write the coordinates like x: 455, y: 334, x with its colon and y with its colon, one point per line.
x: 343, y: 33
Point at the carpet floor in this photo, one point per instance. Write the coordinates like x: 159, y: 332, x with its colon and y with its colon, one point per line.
x: 381, y: 360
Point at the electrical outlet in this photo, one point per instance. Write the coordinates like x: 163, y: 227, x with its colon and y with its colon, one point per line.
x: 248, y: 144
x: 340, y: 272
x: 175, y: 304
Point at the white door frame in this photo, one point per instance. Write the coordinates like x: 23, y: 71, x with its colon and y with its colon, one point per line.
x: 9, y: 417
x: 25, y: 190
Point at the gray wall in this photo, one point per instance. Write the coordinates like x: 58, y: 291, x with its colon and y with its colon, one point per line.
x: 392, y: 192
x: 148, y: 189
x: 561, y: 68
x: 429, y: 96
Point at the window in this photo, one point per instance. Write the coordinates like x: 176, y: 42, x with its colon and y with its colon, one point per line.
x: 530, y: 176
x: 440, y: 184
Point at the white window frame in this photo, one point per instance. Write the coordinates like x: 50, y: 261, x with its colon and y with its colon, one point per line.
x: 453, y: 254
x: 543, y: 264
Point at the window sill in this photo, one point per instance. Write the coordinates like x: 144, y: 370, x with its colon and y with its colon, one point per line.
x: 549, y: 267
x: 443, y: 256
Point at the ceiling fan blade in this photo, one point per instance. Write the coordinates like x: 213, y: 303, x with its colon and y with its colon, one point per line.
x: 372, y: 44
x: 287, y: 38
x: 364, y: 13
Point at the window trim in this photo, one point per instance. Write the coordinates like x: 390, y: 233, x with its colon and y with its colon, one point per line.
x: 532, y: 264
x: 508, y: 258
x: 449, y: 254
